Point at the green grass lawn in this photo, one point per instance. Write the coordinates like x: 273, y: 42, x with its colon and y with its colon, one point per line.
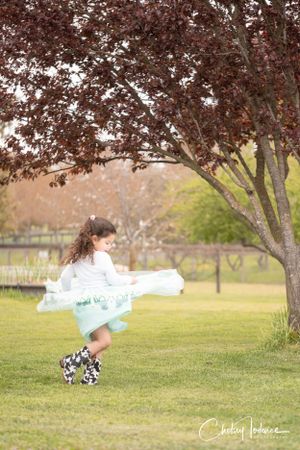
x: 183, y: 360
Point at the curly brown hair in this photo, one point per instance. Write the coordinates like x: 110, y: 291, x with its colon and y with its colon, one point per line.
x: 83, y: 245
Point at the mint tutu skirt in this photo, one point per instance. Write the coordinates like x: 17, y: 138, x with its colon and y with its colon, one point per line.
x: 94, y: 307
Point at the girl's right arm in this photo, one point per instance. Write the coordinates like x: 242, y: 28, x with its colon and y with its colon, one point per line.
x: 66, y: 277
x: 111, y: 274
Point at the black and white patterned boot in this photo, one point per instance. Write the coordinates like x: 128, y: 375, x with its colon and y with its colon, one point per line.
x: 91, y: 372
x: 70, y: 363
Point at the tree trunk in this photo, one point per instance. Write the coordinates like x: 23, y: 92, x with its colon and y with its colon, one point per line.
x: 292, y: 281
x: 132, y: 257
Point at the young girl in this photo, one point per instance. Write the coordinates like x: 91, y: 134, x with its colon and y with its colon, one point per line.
x: 101, y: 295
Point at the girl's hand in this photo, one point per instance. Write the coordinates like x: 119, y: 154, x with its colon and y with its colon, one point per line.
x: 133, y: 280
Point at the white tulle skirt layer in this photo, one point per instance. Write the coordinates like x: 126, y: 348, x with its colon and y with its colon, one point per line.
x: 94, y: 307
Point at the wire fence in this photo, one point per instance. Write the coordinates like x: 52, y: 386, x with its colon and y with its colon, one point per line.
x: 31, y: 259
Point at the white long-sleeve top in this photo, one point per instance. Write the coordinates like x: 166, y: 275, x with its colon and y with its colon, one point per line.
x: 100, y: 274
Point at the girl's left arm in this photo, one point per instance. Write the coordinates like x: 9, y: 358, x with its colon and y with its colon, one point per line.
x: 66, y: 277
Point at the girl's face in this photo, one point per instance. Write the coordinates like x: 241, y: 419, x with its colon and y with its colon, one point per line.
x: 103, y: 244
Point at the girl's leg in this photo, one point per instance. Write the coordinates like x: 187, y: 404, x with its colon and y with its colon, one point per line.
x: 70, y: 363
x: 101, y: 340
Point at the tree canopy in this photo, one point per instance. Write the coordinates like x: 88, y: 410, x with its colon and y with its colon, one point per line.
x: 183, y: 82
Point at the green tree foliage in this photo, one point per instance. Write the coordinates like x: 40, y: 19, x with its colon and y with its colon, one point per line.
x: 206, y: 217
x: 202, y: 215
